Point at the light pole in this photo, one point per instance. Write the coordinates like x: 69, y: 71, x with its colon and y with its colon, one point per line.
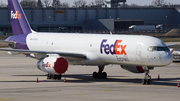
x: 49, y: 22
x: 73, y: 24
x: 166, y: 22
x: 59, y: 29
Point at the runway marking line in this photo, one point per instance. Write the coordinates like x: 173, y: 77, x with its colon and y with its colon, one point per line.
x: 83, y: 94
x: 4, y: 99
x: 106, y: 91
x: 104, y: 88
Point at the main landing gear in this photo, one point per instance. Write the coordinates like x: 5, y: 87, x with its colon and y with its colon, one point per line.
x: 147, y: 79
x: 100, y: 74
x: 56, y: 77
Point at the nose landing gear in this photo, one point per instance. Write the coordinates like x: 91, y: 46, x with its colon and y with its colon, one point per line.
x: 147, y: 78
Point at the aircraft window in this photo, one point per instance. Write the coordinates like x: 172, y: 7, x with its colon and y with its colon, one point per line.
x: 166, y: 48
x: 158, y: 48
x: 162, y: 49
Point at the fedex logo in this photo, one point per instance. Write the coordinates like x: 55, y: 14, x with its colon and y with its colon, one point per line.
x: 115, y: 48
x: 48, y: 65
x: 15, y: 15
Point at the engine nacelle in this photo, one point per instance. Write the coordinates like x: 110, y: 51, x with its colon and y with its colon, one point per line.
x: 134, y: 69
x: 53, y: 65
x: 13, y: 53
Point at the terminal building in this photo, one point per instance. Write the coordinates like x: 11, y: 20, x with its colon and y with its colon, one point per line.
x: 94, y: 19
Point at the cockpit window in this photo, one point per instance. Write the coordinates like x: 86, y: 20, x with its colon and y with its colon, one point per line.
x: 167, y: 48
x: 158, y: 48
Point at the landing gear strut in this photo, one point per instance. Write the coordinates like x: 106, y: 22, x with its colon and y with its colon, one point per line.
x: 146, y: 79
x: 58, y: 77
x: 100, y: 74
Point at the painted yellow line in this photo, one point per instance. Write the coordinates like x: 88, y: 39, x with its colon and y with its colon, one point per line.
x: 104, y: 88
x: 83, y: 94
x: 4, y: 99
x: 106, y: 91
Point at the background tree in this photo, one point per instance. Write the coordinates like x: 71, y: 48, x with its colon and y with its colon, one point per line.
x: 159, y: 3
x: 2, y: 4
x: 56, y: 3
x: 65, y: 5
x: 133, y: 6
x: 46, y: 3
x: 99, y: 2
x: 170, y: 4
x: 79, y: 3
x: 39, y: 4
x: 28, y: 3
x: 91, y: 3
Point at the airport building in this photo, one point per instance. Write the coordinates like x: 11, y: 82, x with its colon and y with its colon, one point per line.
x: 94, y: 19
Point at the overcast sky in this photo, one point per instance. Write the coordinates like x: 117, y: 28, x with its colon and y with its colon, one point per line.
x: 138, y: 2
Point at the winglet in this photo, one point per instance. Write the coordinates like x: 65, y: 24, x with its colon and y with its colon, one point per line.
x: 19, y: 21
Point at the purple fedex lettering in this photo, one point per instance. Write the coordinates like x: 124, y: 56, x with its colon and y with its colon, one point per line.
x: 102, y: 45
x: 107, y: 48
x: 112, y: 49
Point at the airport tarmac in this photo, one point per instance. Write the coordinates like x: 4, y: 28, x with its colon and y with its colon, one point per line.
x: 18, y: 76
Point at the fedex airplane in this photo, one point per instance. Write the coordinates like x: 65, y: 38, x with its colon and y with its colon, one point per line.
x: 55, y: 51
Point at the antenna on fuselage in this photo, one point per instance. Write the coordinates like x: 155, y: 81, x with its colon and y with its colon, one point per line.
x: 110, y: 33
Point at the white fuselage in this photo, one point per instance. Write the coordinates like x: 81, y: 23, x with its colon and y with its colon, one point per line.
x: 103, y: 49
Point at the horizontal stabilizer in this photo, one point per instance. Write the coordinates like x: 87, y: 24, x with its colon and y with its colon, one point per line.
x: 3, y: 42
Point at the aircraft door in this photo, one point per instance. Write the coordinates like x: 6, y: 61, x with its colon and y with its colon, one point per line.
x: 138, y: 49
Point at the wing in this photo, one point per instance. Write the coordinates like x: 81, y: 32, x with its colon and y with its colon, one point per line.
x: 63, y: 54
x: 170, y: 45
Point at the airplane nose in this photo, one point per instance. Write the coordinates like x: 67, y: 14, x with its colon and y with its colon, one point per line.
x: 166, y: 58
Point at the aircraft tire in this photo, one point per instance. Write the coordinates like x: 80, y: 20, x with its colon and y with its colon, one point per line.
x: 59, y: 77
x: 49, y: 76
x: 95, y: 75
x: 104, y: 75
x: 148, y: 81
x: 143, y: 81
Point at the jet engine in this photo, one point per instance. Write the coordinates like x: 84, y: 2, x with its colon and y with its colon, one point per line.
x: 136, y: 69
x: 53, y: 65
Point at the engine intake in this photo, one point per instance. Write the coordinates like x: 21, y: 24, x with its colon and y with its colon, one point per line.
x: 53, y: 65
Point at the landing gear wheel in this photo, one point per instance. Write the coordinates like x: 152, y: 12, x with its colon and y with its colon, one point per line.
x: 95, y: 75
x: 59, y: 77
x: 148, y: 82
x: 143, y: 81
x: 104, y: 75
x: 146, y: 79
x: 49, y: 76
x: 100, y: 74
